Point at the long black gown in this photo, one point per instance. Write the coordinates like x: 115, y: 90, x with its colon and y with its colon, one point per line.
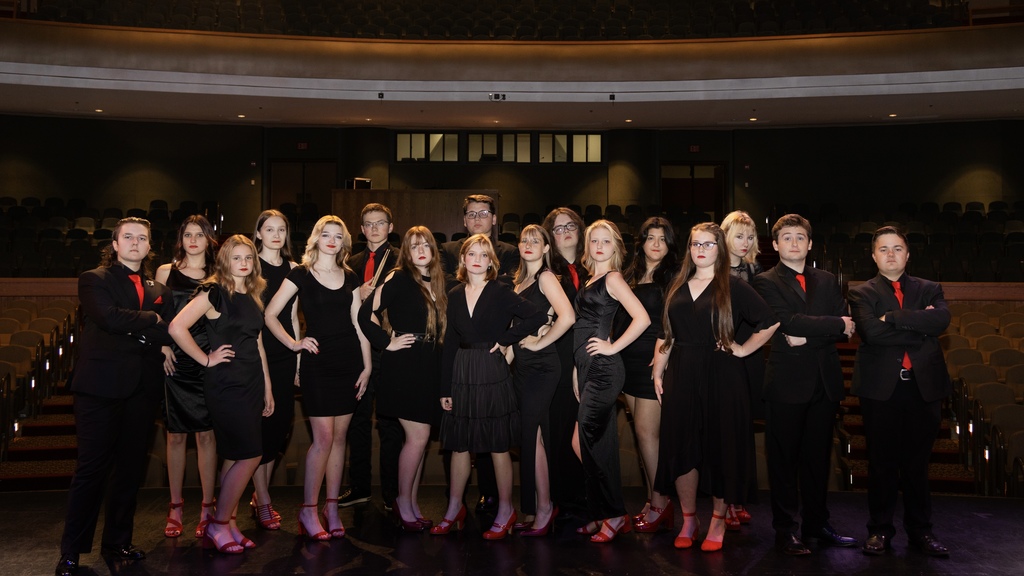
x: 705, y: 419
x: 328, y: 378
x: 184, y: 402
x: 600, y: 382
x: 535, y: 374
x: 408, y: 384
x: 234, y: 390
x: 281, y: 361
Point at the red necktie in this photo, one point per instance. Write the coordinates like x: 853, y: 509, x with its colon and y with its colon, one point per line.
x: 803, y: 282
x: 575, y: 276
x: 138, y: 287
x: 899, y: 298
x: 368, y: 271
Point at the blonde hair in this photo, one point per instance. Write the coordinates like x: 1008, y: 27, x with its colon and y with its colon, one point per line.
x: 437, y: 306
x: 740, y: 219
x: 535, y: 231
x: 254, y: 282
x: 620, y: 247
x: 312, y: 253
x: 485, y: 242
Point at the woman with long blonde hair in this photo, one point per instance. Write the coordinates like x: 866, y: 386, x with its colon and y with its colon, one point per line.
x: 334, y: 365
x: 406, y: 317
x: 237, y: 384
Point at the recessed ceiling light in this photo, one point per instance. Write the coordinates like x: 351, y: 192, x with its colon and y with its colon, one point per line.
x: 892, y: 115
x: 99, y: 110
x: 241, y: 115
x: 752, y: 119
x: 628, y: 120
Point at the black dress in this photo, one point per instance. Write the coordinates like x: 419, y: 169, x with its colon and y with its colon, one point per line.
x: 536, y: 375
x: 705, y: 423
x: 484, y: 415
x: 408, y: 384
x: 234, y: 390
x: 600, y: 381
x: 281, y: 361
x: 638, y: 355
x: 328, y: 379
x: 184, y: 403
x: 755, y: 362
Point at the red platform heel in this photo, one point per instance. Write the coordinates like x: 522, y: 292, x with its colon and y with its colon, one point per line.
x: 683, y: 542
x: 447, y: 525
x: 321, y: 536
x: 666, y: 519
x: 173, y: 528
x: 607, y: 533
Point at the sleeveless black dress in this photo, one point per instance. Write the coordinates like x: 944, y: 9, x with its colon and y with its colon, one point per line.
x: 184, y: 402
x: 234, y: 390
x: 600, y: 382
x: 281, y: 363
x: 328, y: 378
x: 535, y: 374
x: 638, y: 355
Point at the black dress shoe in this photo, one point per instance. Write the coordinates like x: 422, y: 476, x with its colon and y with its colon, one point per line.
x: 125, y: 552
x: 876, y: 544
x: 353, y: 496
x: 67, y: 566
x: 828, y: 535
x: 790, y: 545
x: 930, y: 546
x: 487, y: 504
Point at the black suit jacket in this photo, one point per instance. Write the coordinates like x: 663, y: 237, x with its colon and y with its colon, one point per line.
x: 794, y: 371
x: 910, y: 329
x: 357, y: 262
x: 119, y: 347
x: 508, y: 259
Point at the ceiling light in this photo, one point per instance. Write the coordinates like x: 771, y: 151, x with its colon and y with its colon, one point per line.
x: 752, y: 119
x: 628, y: 121
x: 892, y: 115
x: 99, y: 110
x: 241, y: 115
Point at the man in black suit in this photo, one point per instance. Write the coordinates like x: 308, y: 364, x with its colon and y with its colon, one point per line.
x: 372, y: 265
x: 480, y: 217
x: 117, y: 382
x: 901, y: 378
x: 803, y: 387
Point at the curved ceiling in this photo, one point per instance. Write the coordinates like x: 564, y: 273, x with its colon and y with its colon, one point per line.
x: 179, y: 76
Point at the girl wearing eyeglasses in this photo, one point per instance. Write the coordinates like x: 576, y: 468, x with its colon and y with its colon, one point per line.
x: 701, y: 381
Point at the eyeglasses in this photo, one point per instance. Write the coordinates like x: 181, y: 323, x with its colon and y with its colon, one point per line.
x: 478, y: 214
x: 377, y: 224
x: 530, y: 241
x: 704, y: 245
x: 562, y: 229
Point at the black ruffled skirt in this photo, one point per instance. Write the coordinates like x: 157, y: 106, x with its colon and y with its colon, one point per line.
x: 484, y: 415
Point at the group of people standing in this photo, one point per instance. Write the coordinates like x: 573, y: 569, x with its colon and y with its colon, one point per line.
x: 491, y: 347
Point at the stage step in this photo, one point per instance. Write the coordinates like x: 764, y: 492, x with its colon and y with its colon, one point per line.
x: 49, y: 447
x: 48, y: 424
x: 38, y: 475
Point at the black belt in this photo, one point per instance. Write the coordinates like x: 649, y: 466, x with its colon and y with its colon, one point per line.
x: 906, y: 374
x: 476, y: 345
x: 417, y: 336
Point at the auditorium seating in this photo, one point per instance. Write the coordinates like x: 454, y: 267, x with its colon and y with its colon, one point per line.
x: 568, y: 20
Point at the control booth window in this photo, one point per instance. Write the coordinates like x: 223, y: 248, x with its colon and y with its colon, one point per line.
x: 422, y: 147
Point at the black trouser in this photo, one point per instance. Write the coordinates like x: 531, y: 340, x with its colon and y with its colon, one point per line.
x: 900, y: 434
x: 798, y: 440
x: 360, y: 440
x: 113, y: 434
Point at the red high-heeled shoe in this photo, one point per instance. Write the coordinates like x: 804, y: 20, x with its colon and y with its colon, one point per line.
x: 607, y: 533
x: 499, y: 531
x: 709, y: 545
x: 229, y: 547
x: 254, y: 504
x: 666, y: 519
x: 427, y: 523
x: 335, y: 532
x: 638, y: 517
x: 447, y: 525
x: 320, y: 536
x: 408, y: 526
x: 589, y: 528
x: 543, y: 530
x: 732, y: 522
x: 245, y: 542
x: 743, y: 515
x: 204, y: 517
x: 173, y: 528
x: 683, y: 542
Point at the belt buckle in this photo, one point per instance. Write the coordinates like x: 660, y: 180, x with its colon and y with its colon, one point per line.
x: 905, y: 374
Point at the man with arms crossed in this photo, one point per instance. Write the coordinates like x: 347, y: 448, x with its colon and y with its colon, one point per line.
x: 118, y: 383
x: 901, y: 378
x: 803, y: 388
